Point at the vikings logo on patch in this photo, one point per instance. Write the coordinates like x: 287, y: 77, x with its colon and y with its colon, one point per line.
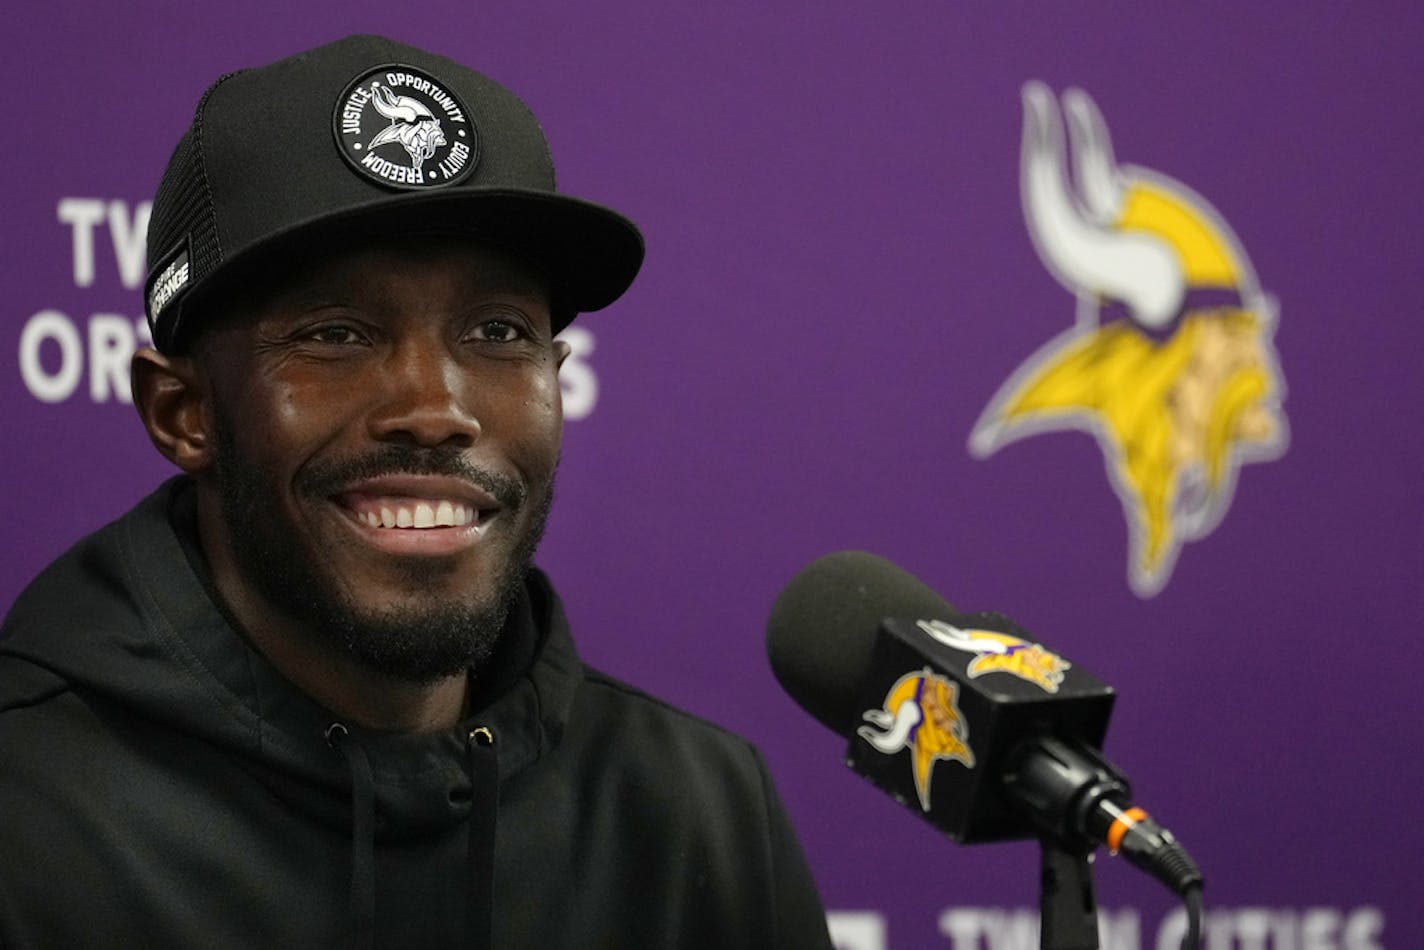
x: 920, y: 713
x: 400, y: 127
x: 996, y: 652
x: 1170, y: 364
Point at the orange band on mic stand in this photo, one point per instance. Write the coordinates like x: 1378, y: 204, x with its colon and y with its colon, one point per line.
x: 1119, y: 827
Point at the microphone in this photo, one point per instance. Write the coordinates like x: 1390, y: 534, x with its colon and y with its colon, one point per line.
x: 965, y: 719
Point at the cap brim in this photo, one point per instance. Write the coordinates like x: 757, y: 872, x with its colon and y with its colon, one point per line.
x: 590, y: 253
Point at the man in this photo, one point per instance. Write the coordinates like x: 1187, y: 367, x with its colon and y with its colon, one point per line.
x: 310, y: 692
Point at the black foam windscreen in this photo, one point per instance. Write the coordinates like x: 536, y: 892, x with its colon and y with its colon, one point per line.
x: 823, y: 625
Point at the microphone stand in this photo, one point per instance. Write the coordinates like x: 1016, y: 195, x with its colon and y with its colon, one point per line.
x: 1068, y: 909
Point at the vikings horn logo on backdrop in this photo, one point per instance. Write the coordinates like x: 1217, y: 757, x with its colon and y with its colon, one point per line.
x: 1170, y: 365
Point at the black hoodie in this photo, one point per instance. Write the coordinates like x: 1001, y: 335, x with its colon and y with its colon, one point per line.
x: 162, y: 785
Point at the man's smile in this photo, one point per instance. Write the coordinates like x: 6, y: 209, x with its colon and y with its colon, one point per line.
x: 387, y: 512
x: 419, y: 514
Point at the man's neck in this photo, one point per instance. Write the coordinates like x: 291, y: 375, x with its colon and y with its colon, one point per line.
x: 355, y: 694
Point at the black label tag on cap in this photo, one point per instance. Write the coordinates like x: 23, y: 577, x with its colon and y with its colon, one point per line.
x: 400, y: 127
x: 170, y: 277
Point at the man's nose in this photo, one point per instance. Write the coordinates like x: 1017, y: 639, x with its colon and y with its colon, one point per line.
x: 426, y: 398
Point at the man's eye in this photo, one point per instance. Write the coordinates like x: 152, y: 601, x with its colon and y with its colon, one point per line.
x: 498, y: 331
x: 335, y: 335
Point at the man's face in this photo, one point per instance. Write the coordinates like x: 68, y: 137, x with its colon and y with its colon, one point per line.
x: 388, y: 427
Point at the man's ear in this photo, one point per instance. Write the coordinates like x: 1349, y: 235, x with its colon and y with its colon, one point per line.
x: 172, y: 402
x: 561, y: 353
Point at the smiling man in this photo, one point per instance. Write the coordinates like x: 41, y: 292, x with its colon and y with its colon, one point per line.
x: 311, y: 691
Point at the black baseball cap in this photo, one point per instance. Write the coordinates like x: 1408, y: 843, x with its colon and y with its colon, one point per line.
x: 368, y: 137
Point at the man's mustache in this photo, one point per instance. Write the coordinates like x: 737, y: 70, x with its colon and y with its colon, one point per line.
x: 332, y: 476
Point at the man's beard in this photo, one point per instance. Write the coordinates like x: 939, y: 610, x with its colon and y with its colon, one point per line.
x: 418, y: 644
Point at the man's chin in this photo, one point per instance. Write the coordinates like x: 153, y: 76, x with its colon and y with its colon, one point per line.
x: 422, y: 643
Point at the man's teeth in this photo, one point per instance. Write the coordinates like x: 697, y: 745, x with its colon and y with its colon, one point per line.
x: 421, y: 515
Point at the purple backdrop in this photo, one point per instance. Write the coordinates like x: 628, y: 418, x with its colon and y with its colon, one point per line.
x: 839, y: 279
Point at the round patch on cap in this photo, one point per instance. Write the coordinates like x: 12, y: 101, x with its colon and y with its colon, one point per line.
x: 401, y: 127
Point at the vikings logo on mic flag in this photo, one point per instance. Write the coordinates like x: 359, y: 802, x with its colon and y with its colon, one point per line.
x: 1170, y: 364
x: 996, y: 652
x: 920, y: 713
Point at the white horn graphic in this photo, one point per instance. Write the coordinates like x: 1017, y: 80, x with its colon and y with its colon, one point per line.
x: 896, y: 729
x: 391, y: 107
x: 1099, y: 183
x: 1082, y: 253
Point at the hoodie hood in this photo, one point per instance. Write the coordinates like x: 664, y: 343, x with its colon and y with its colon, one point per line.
x: 126, y: 615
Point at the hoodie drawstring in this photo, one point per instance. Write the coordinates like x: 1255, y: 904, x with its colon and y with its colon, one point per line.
x: 363, y: 837
x: 482, y: 765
